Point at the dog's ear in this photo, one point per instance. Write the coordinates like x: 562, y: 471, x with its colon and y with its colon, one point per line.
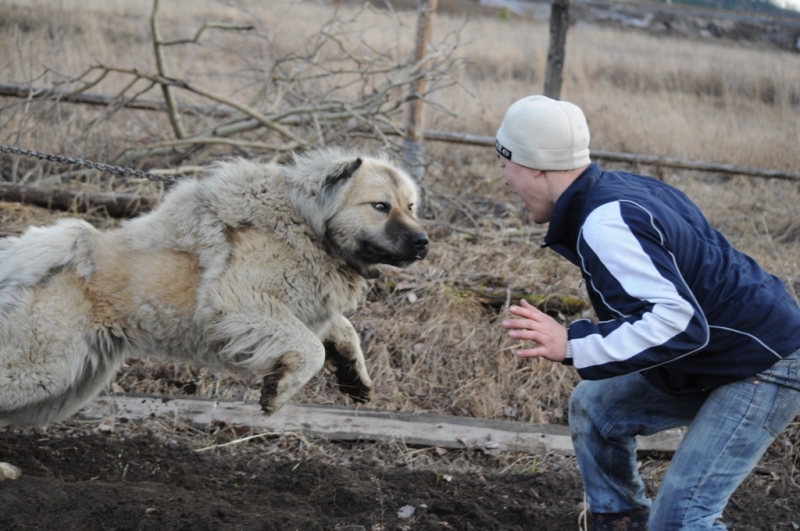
x: 336, y: 178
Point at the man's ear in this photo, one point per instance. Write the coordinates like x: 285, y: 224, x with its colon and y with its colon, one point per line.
x: 336, y: 178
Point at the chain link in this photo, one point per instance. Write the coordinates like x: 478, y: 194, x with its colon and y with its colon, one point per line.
x: 73, y: 161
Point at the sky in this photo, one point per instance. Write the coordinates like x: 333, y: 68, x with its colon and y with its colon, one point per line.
x: 788, y: 4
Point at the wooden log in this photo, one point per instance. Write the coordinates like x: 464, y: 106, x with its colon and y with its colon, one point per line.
x: 499, y: 297
x: 633, y: 158
x: 360, y: 424
x: 714, y: 167
x: 88, y: 98
x: 116, y: 205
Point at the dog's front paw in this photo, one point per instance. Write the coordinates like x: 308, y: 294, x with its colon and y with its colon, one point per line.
x: 269, y: 390
x: 350, y: 382
x: 351, y: 374
x: 267, y: 401
x: 8, y: 471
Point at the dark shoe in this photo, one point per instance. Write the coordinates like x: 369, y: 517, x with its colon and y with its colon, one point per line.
x: 631, y: 520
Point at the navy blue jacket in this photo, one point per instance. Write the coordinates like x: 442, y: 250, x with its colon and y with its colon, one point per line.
x: 673, y: 298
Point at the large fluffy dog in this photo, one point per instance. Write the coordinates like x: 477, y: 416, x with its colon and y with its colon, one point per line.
x: 250, y: 268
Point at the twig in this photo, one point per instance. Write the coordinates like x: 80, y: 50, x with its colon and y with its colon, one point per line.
x: 238, y: 441
x: 216, y: 140
x: 86, y: 87
x: 181, y: 170
x: 205, y: 26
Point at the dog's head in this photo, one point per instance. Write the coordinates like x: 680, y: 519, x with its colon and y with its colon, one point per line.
x: 363, y: 207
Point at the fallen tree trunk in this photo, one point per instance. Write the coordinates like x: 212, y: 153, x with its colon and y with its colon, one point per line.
x: 115, y: 205
x: 499, y: 297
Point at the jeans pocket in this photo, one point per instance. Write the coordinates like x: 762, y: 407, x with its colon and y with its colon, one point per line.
x: 787, y: 400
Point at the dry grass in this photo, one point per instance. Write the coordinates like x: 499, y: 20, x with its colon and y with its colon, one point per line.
x: 429, y: 347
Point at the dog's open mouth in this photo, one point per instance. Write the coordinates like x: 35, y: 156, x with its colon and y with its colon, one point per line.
x: 375, y: 254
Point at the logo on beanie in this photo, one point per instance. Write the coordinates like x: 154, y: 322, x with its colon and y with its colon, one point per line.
x: 502, y: 149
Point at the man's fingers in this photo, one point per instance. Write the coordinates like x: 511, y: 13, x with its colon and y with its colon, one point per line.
x: 519, y: 323
x: 530, y: 335
x: 529, y: 312
x: 537, y: 352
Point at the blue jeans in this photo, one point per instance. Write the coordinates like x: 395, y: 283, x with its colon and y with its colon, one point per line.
x: 730, y: 428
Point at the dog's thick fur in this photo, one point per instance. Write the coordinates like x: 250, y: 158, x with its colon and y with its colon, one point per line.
x: 250, y: 268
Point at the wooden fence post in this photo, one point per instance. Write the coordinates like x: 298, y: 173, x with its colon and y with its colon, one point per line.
x: 559, y: 23
x: 413, y: 148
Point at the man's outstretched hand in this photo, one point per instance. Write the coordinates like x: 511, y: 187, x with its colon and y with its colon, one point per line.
x: 534, y: 325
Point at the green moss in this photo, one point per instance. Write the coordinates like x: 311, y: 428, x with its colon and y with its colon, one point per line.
x: 564, y: 304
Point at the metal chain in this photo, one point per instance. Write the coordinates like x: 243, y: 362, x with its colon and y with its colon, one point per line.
x: 72, y: 161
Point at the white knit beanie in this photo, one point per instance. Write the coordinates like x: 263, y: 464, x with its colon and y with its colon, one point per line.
x: 544, y: 134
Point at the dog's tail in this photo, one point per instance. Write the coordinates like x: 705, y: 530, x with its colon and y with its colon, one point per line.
x: 29, y: 259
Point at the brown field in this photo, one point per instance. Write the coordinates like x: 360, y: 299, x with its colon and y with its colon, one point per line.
x: 431, y: 346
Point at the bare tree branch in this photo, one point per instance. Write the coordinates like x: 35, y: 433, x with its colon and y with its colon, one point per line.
x: 161, y: 66
x: 335, y: 88
x: 205, y: 26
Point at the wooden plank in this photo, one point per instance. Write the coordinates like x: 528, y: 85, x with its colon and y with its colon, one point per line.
x: 360, y: 424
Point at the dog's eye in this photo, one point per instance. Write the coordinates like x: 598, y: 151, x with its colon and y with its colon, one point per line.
x: 411, y: 207
x: 381, y: 207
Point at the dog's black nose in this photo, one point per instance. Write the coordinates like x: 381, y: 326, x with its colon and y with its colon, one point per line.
x: 420, y: 241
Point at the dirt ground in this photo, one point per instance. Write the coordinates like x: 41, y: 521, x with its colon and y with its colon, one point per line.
x: 138, y: 477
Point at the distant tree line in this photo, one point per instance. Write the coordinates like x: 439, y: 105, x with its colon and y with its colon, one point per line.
x: 751, y: 6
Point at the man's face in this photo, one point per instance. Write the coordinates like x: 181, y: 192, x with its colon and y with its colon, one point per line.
x: 531, y: 186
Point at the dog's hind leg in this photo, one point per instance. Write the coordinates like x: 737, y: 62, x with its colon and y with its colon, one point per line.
x: 49, y: 364
x: 53, y: 390
x: 343, y: 352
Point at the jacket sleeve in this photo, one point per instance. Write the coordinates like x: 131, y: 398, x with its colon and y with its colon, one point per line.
x: 632, y: 276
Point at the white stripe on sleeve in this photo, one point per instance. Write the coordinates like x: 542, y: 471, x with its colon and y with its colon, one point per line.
x: 607, y: 234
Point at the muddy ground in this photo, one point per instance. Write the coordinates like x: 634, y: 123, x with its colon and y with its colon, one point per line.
x: 99, y: 477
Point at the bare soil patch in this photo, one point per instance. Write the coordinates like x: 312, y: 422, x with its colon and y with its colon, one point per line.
x: 81, y: 480
x: 139, y: 478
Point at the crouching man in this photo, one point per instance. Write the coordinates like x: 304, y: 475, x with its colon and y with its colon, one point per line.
x: 690, y: 331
